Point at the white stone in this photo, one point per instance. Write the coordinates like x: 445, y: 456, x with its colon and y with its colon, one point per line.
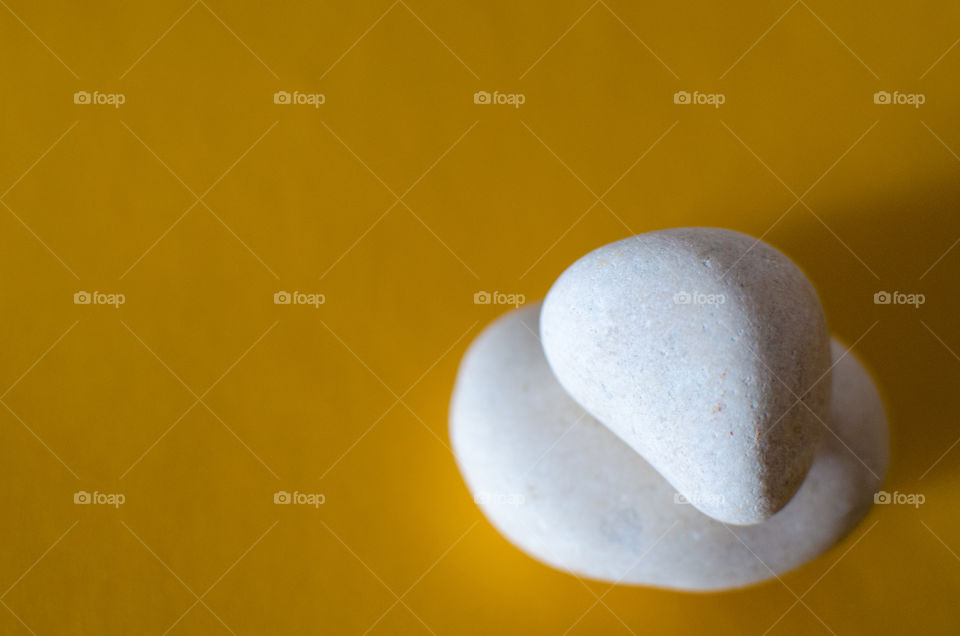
x: 564, y: 489
x: 694, y: 345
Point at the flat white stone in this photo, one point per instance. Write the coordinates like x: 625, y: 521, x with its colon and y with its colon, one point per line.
x: 694, y: 345
x: 567, y: 491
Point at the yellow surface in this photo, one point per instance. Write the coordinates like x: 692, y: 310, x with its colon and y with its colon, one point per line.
x: 399, y: 199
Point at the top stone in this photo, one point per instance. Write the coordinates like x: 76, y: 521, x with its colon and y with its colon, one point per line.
x: 707, y: 352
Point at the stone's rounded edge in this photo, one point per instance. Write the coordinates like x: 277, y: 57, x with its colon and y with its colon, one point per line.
x: 489, y: 476
x: 814, y: 386
x: 669, y: 257
x: 472, y: 363
x: 591, y: 505
x: 844, y: 391
x: 788, y: 444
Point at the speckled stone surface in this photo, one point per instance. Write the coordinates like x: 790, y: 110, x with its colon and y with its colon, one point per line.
x: 564, y: 489
x: 693, y: 345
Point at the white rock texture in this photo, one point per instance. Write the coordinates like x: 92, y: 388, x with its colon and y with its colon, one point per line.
x: 694, y: 346
x: 567, y: 491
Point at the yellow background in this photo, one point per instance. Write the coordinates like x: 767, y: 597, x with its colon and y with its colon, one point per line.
x: 399, y: 199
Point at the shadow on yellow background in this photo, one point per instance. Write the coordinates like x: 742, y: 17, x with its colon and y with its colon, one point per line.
x: 206, y: 192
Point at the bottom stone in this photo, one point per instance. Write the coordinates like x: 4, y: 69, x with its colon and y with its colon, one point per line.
x: 565, y: 490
